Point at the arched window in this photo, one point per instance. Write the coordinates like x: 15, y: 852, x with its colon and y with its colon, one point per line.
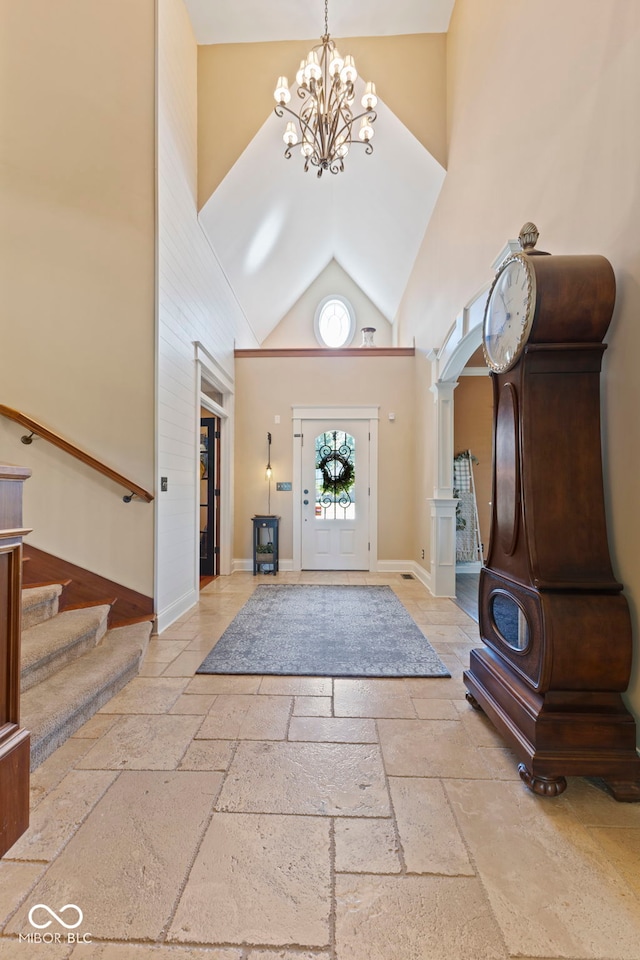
x: 335, y: 322
x: 335, y: 476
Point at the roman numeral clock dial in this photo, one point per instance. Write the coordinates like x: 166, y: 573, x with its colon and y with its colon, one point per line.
x: 554, y: 622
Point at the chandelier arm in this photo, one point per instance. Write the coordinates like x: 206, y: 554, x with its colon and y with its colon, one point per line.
x: 371, y: 114
x: 280, y: 110
x: 304, y: 128
x: 321, y: 112
x: 343, y: 111
x: 338, y: 112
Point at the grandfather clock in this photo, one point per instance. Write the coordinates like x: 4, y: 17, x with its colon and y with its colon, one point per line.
x: 553, y: 618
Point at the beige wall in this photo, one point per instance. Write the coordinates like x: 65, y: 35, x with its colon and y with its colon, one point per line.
x: 270, y: 386
x: 473, y: 430
x: 409, y: 73
x: 77, y: 254
x: 544, y: 125
x: 296, y: 327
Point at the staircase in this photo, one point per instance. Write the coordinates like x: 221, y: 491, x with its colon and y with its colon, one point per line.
x: 71, y: 664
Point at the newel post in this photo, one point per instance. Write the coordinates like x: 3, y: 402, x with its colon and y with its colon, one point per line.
x: 14, y: 741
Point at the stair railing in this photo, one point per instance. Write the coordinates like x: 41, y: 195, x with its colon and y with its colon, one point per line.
x: 39, y: 430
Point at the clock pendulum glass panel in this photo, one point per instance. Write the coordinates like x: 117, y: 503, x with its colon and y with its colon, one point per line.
x: 553, y: 619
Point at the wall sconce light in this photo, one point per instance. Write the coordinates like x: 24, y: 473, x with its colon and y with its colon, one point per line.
x: 269, y: 474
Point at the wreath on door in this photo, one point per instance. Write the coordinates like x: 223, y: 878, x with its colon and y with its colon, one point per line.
x: 337, y: 473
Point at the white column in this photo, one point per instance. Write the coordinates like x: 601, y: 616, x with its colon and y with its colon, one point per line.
x: 443, y: 547
x: 443, y: 504
x: 443, y: 397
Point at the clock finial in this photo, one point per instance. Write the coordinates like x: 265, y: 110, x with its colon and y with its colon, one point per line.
x: 528, y: 236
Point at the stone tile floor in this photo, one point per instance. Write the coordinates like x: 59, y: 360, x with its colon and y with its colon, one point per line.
x: 284, y: 818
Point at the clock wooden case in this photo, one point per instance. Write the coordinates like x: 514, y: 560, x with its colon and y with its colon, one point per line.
x: 553, y: 618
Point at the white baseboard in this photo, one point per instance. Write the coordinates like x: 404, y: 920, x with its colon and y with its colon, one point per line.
x: 175, y: 610
x: 395, y: 566
x: 422, y: 575
x: 406, y: 566
x: 246, y: 566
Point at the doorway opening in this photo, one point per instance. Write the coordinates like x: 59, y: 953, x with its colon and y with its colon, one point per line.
x: 214, y: 469
x: 209, y: 497
x: 472, y: 432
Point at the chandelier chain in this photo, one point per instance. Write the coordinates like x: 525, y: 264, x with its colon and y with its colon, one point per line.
x: 326, y: 18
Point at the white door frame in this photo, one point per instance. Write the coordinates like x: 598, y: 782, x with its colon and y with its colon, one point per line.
x: 207, y: 368
x: 369, y: 413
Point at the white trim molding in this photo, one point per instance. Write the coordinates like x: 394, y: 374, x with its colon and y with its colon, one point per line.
x: 220, y: 376
x: 175, y: 610
x: 406, y: 566
x: 245, y: 565
x: 368, y: 412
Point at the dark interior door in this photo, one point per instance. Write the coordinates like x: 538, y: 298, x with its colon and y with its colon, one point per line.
x: 209, y: 495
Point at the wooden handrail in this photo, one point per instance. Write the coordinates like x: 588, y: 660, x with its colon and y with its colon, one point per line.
x: 46, y: 434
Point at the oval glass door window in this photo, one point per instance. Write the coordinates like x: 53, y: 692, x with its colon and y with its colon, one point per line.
x: 510, y: 621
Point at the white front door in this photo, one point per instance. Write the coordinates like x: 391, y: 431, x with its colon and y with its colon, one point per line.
x: 335, y: 467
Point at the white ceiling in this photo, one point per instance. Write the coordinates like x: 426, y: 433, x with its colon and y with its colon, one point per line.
x: 274, y: 228
x: 249, y: 21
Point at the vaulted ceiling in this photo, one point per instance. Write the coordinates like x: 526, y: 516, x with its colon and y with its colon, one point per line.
x: 273, y: 227
x: 251, y: 21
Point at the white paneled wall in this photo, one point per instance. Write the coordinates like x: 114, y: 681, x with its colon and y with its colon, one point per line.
x: 195, y: 303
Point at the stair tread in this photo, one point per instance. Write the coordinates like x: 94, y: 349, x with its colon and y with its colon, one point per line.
x: 33, y: 596
x: 46, y: 639
x: 64, y: 693
x: 40, y: 603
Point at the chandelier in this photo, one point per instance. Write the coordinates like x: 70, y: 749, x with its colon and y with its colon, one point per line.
x: 323, y: 128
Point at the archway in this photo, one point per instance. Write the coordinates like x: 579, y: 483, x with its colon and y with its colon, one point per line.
x: 464, y: 338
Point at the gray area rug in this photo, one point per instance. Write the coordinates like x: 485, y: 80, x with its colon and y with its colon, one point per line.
x: 324, y: 631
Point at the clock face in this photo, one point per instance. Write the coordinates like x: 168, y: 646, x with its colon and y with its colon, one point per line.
x: 509, y: 313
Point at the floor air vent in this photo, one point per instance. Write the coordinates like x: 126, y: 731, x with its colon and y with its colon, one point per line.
x: 407, y: 576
